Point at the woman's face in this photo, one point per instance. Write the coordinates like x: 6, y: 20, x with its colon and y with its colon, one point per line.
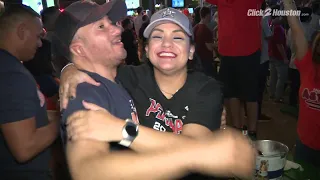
x: 169, y: 48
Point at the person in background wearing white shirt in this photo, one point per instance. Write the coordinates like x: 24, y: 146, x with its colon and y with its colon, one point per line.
x: 293, y: 72
x: 264, y: 61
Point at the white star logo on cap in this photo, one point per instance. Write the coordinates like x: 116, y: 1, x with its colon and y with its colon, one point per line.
x: 168, y: 12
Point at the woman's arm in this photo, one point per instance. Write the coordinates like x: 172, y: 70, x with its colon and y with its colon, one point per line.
x: 298, y: 38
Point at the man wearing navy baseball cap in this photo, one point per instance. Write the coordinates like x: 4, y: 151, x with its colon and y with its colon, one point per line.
x: 86, y: 35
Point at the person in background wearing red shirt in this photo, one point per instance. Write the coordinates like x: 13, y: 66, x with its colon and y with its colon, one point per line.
x: 278, y: 59
x: 308, y: 64
x: 204, y: 42
x: 239, y: 45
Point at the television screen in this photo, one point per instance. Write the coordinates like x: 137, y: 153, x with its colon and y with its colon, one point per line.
x: 50, y: 3
x: 36, y: 5
x: 178, y: 3
x: 190, y: 10
x: 132, y: 4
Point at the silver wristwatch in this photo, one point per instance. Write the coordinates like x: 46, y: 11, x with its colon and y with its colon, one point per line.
x: 129, y: 133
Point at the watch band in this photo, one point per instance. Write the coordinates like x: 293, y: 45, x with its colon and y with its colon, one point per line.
x: 127, y: 139
x: 125, y: 142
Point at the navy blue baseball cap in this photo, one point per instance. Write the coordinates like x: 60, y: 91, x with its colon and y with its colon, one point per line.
x: 80, y: 14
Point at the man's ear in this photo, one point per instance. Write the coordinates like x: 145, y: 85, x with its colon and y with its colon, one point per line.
x: 21, y: 31
x: 76, y: 48
x: 191, y: 53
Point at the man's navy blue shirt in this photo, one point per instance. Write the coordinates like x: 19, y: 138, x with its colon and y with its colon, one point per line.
x: 20, y: 99
x: 109, y: 95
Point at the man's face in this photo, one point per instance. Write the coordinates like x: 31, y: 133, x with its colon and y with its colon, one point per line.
x: 102, y: 42
x: 31, y: 38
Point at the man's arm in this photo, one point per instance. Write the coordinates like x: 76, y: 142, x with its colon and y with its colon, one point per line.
x: 91, y: 160
x: 18, y: 123
x: 25, y: 141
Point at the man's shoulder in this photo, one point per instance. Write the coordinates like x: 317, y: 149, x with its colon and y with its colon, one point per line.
x: 86, y: 90
x: 9, y: 63
x: 204, y: 85
x: 16, y: 78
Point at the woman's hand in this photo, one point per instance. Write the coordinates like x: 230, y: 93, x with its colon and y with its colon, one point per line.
x: 95, y: 123
x: 70, y: 78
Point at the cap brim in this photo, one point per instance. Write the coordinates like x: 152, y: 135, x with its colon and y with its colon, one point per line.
x: 155, y: 23
x: 115, y: 10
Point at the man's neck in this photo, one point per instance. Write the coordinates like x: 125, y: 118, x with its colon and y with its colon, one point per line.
x: 204, y: 22
x: 170, y: 83
x: 107, y: 72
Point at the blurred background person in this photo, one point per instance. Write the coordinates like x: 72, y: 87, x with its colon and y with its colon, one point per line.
x: 294, y: 75
x: 146, y: 22
x: 203, y: 37
x: 266, y: 34
x: 278, y: 59
x: 196, y: 18
x: 130, y: 42
x: 315, y: 21
x: 137, y: 25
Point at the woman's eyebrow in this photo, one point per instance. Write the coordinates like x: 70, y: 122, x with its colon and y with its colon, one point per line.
x: 156, y: 29
x: 178, y: 30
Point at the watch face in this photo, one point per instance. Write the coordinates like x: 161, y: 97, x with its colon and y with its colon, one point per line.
x: 131, y: 130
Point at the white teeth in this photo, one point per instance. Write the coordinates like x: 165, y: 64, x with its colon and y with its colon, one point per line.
x: 167, y: 54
